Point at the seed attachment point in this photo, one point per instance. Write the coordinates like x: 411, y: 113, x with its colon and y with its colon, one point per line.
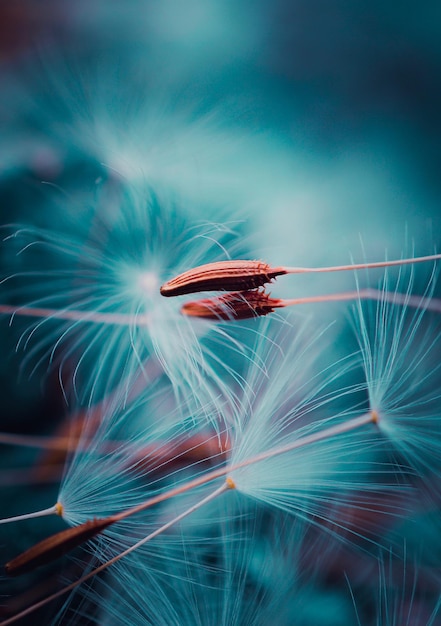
x: 59, y: 509
x: 230, y: 483
x: 375, y: 417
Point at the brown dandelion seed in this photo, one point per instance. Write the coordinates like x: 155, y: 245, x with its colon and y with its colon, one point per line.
x: 224, y: 275
x: 239, y: 305
x: 244, y: 275
x: 246, y: 304
x: 55, y: 546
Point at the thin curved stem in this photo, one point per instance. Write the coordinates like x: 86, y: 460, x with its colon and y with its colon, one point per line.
x: 53, y: 510
x: 418, y: 302
x: 361, y: 266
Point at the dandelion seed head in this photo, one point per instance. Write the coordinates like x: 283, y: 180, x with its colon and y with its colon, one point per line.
x: 399, y: 348
x: 104, y: 311
x: 290, y: 399
x: 134, y: 452
x: 148, y: 282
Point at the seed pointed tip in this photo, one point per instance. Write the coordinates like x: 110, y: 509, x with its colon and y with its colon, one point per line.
x: 168, y: 289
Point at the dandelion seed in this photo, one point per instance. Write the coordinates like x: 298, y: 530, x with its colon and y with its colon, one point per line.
x: 166, y: 458
x: 225, y: 275
x: 238, y: 305
x: 61, y: 542
x: 242, y: 305
x: 118, y: 461
x: 55, y: 546
x: 244, y: 275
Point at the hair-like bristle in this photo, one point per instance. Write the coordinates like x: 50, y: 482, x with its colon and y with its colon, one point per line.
x: 235, y: 275
x: 239, y: 305
x: 55, y: 546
